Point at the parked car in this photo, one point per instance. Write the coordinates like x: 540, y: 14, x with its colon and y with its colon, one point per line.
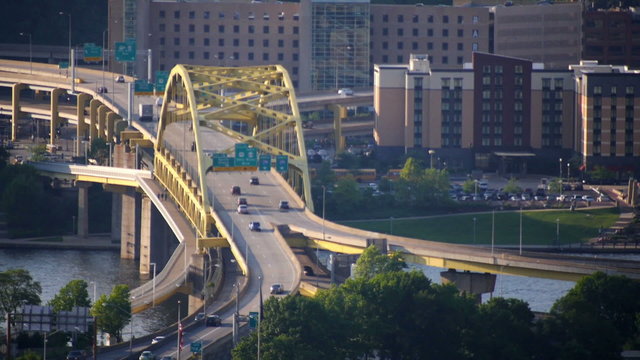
x: 157, y: 339
x: 283, y: 205
x: 254, y: 180
x: 213, y: 320
x: 588, y: 198
x: 276, y: 289
x: 242, y: 201
x: 243, y: 209
x: 77, y: 355
x: 307, y: 270
x: 119, y: 79
x: 254, y: 226
x: 235, y: 190
x: 146, y: 355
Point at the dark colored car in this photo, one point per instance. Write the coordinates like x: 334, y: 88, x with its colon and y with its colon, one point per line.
x: 254, y: 180
x: 308, y: 270
x: 254, y: 226
x: 76, y: 355
x: 102, y: 90
x: 235, y: 190
x: 213, y: 320
x: 242, y: 201
x: 276, y: 289
x: 283, y: 205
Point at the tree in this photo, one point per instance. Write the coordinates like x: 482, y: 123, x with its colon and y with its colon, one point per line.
x: 73, y: 294
x: 17, y: 287
x: 99, y: 150
x: 601, y: 175
x: 555, y: 186
x: 112, y: 312
x: 346, y: 197
x: 412, y: 171
x: 469, y: 186
x: 512, y: 187
x: 599, y: 307
x: 372, y: 262
x: 504, y: 330
x: 38, y: 152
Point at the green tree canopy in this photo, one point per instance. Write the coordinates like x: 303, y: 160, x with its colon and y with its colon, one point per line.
x: 113, y: 311
x: 372, y: 262
x: 512, y: 186
x: 73, y: 294
x: 17, y: 287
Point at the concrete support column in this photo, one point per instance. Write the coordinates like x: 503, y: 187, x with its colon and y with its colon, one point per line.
x: 83, y: 208
x: 15, y: 109
x: 128, y: 225
x: 55, y: 119
x: 116, y: 215
x: 470, y: 283
x: 111, y: 119
x: 339, y: 114
x: 81, y: 129
x: 102, y: 120
x: 93, y: 118
x: 145, y: 236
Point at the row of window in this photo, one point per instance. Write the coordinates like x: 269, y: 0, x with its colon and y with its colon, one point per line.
x: 235, y: 42
x: 497, y: 106
x: 498, y: 69
x: 597, y: 150
x: 475, y: 33
x: 400, y: 59
x: 629, y: 90
x: 162, y: 14
x: 557, y: 82
x: 251, y: 29
x: 430, y: 19
x: 206, y: 55
x: 415, y: 45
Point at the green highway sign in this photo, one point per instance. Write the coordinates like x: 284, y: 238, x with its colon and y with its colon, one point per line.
x: 220, y: 160
x: 63, y: 65
x: 253, y: 319
x: 196, y: 347
x: 126, y: 51
x: 161, y: 80
x: 246, y: 156
x: 282, y: 163
x: 91, y: 52
x: 264, y: 162
x: 142, y: 87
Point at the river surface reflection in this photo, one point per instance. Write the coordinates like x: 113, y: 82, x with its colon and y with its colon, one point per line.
x: 55, y: 268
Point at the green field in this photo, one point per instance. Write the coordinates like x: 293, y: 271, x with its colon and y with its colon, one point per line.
x: 538, y: 227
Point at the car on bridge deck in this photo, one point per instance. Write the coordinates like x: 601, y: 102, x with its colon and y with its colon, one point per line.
x: 254, y: 226
x: 213, y: 320
x: 199, y: 316
x: 254, y: 180
x: 102, y: 90
x: 242, y: 201
x: 77, y: 355
x: 243, y: 209
x: 308, y: 271
x: 276, y: 289
x: 147, y: 355
x: 235, y: 190
x: 119, y: 79
x: 283, y: 205
x: 157, y: 339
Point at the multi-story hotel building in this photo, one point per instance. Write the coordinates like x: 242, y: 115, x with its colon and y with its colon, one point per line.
x: 495, y: 111
x: 330, y: 44
x: 612, y: 36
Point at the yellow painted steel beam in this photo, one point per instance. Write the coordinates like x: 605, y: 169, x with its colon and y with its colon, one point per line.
x: 106, y: 180
x: 206, y: 243
x: 144, y: 143
x: 130, y: 134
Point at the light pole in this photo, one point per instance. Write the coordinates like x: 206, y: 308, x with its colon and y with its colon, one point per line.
x: 110, y: 162
x: 431, y: 153
x: 324, y: 191
x: 475, y: 193
x: 30, y: 52
x: 557, y: 231
x: 68, y: 14
x: 153, y: 291
x: 391, y: 225
x: 568, y: 171
x: 520, y: 230
x: 560, y: 169
x: 104, y: 41
x: 475, y: 220
x: 179, y: 333
x: 493, y: 230
x: 94, y: 291
x: 259, y: 315
x: 44, y: 352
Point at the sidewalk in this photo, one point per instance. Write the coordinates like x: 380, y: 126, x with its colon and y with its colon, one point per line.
x: 71, y: 242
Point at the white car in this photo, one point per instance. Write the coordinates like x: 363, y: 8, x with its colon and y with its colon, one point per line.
x: 119, y: 79
x: 157, y: 339
x: 345, y: 92
x: 588, y: 198
x: 159, y: 101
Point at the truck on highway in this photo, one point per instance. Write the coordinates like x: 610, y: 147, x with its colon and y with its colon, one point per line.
x: 145, y: 112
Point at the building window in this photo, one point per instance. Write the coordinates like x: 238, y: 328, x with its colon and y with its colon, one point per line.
x: 176, y: 41
x: 251, y: 42
x: 265, y: 56
x: 445, y: 32
x: 296, y: 30
x: 162, y: 27
x: 430, y: 18
x: 518, y: 69
x: 250, y: 56
x: 445, y: 59
x: 400, y: 32
x: 192, y: 14
x: 597, y: 90
x: 400, y: 18
x: 206, y: 14
x: 280, y: 57
x: 280, y: 29
x: 205, y: 55
x: 296, y: 43
x: 385, y: 31
x: 475, y: 19
x: 265, y: 29
x: 474, y: 47
x: 414, y: 45
x: 629, y: 90
x: 475, y: 33
x: 460, y: 33
x: 400, y: 59
x: 385, y: 18
x: 192, y: 28
x: 205, y: 41
x: 252, y: 29
x: 460, y: 46
x: 176, y: 54
x: 429, y: 32
x: 280, y: 43
x: 206, y: 28
x: 176, y: 28
x: 176, y: 14
x: 192, y: 41
x: 221, y: 29
x: 445, y: 46
x: 414, y: 32
x: 460, y: 19
x: 265, y: 43
x: 162, y: 14
x: 416, y: 19
x: 220, y: 42
x: 400, y: 45
x: 385, y: 45
x: 192, y: 55
x: 236, y: 42
x: 430, y: 46
x: 162, y: 41
x: 445, y: 19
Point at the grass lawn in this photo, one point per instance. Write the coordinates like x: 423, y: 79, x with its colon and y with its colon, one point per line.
x: 538, y: 227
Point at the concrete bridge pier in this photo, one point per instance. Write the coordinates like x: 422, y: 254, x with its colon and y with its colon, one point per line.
x: 129, y: 235
x: 470, y: 283
x: 55, y: 118
x: 116, y: 215
x: 197, y: 277
x: 83, y: 208
x: 15, y: 109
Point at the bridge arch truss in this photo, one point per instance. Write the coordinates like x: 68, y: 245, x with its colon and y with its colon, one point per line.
x: 252, y: 105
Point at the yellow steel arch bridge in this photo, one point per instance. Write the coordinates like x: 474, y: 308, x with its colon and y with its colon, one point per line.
x: 252, y: 105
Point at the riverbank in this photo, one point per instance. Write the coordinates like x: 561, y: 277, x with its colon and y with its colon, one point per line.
x: 101, y: 242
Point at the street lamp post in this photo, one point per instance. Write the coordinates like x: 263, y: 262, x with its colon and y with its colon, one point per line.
x: 179, y: 339
x: 431, y: 153
x: 475, y: 220
x: 557, y: 231
x: 493, y: 230
x: 568, y: 170
x: 520, y: 230
x: 30, y: 52
x: 68, y: 14
x: 94, y: 291
x: 560, y: 169
x: 153, y: 291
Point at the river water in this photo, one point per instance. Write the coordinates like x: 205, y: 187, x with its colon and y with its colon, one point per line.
x: 53, y: 269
